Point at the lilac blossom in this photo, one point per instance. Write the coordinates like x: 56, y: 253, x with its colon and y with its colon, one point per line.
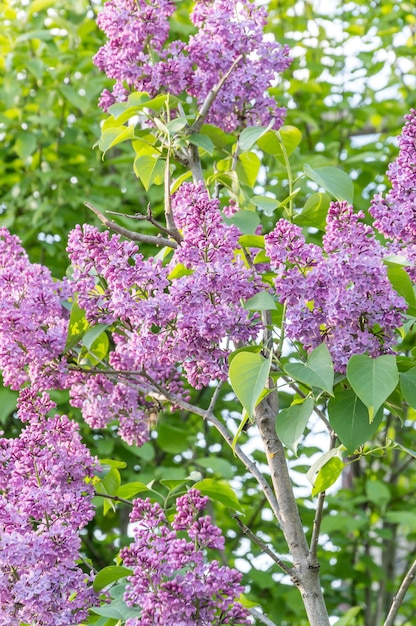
x: 172, y: 581
x: 342, y: 297
x: 33, y: 325
x: 395, y: 215
x: 45, y: 500
x: 165, y: 324
x: 139, y: 58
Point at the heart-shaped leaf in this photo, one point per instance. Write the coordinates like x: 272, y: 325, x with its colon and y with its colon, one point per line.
x: 318, y: 371
x: 373, y: 380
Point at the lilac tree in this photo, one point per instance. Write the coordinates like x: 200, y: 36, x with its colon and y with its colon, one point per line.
x: 301, y: 309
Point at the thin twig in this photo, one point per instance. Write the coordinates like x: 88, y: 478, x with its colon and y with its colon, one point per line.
x: 399, y: 597
x: 115, y: 498
x: 129, y: 234
x: 261, y: 617
x: 316, y: 527
x: 263, y: 546
x: 170, y: 220
x: 313, y: 550
x: 144, y: 218
x: 212, y: 94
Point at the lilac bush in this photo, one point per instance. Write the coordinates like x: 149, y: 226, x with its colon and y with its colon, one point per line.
x: 395, y: 215
x: 172, y: 582
x: 45, y: 500
x: 139, y: 57
x: 339, y: 294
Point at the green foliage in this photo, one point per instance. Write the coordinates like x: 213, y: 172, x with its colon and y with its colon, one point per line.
x: 334, y: 139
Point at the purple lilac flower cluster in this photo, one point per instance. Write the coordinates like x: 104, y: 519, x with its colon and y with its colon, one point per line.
x: 342, y: 297
x: 33, y: 327
x: 172, y: 582
x: 139, y: 59
x: 166, y: 324
x: 45, y: 500
x: 395, y: 215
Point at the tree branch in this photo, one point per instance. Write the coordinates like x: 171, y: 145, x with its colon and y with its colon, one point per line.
x: 212, y: 94
x: 129, y: 234
x: 399, y: 597
x: 170, y: 220
x: 210, y: 417
x: 305, y: 577
x: 261, y: 617
x: 264, y: 547
x: 313, y: 550
x: 316, y: 528
x: 115, y: 498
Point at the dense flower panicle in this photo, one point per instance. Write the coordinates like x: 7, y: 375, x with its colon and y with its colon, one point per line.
x: 395, y: 215
x: 139, y: 59
x: 133, y: 287
x: 167, y: 324
x: 45, y: 501
x: 226, y: 30
x: 33, y: 325
x: 344, y: 297
x: 172, y: 582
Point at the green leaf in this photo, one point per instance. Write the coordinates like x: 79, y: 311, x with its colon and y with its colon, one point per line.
x: 403, y: 518
x: 401, y: 282
x: 117, y: 610
x: 328, y: 475
x: 97, y: 350
x: 93, y: 334
x: 249, y: 136
x: 74, y: 98
x: 8, y: 400
x: 248, y: 166
x: 246, y: 221
x: 178, y: 271
x: 291, y: 423
x: 251, y: 241
x: 204, y: 142
x: 334, y: 180
x: 317, y: 372
x: 218, y: 465
x: 218, y: 136
x: 39, y: 5
x: 172, y: 439
x: 249, y: 373
x: 408, y: 386
x: 314, y: 212
x: 373, y: 380
x: 78, y: 326
x: 349, y: 419
x: 176, y: 125
x: 111, y: 137
x: 288, y: 136
x: 219, y: 492
x: 25, y: 145
x: 178, y: 181
x: 150, y: 170
x: 112, y: 463
x: 109, y: 574
x: 319, y: 463
x: 378, y: 493
x: 349, y: 618
x: 266, y: 204
x: 110, y: 483
x: 129, y: 490
x: 262, y: 301
x: 402, y: 447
